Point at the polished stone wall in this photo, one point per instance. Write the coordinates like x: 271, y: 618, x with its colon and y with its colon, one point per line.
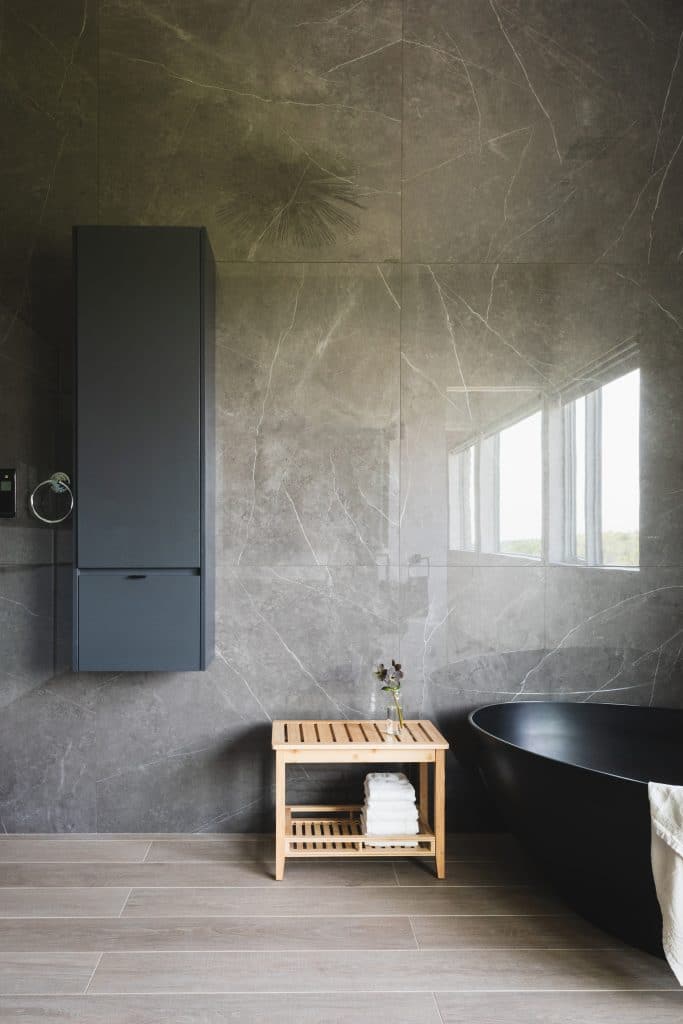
x: 430, y: 219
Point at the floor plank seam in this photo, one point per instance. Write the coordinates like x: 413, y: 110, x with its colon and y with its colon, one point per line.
x: 344, y: 991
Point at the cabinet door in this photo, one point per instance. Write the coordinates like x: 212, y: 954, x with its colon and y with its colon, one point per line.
x: 138, y: 622
x: 138, y: 397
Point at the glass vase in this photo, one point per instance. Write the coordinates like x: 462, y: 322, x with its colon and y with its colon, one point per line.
x: 393, y: 721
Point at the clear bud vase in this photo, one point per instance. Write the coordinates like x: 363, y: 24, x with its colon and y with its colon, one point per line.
x: 393, y: 723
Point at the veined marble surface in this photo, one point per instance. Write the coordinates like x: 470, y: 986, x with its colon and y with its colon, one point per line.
x: 431, y: 220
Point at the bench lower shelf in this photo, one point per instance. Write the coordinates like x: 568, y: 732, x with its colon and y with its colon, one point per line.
x: 336, y: 831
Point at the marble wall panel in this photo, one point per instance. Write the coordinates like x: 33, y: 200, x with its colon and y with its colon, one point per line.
x: 542, y: 131
x: 430, y: 219
x: 278, y: 126
x: 308, y: 414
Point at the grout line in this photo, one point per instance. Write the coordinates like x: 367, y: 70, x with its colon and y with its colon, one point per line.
x: 244, y: 915
x: 396, y: 261
x: 286, y: 950
x: 99, y: 960
x: 372, y: 993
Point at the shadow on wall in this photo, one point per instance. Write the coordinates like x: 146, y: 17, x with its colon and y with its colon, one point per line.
x: 292, y: 199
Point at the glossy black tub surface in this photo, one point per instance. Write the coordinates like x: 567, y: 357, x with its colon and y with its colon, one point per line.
x: 570, y: 781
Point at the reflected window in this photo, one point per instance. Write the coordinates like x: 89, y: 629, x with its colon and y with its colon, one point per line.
x: 462, y: 504
x: 496, y: 491
x: 520, y: 495
x: 602, y: 474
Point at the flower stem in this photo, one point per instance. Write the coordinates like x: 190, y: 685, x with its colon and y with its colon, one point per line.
x: 399, y: 709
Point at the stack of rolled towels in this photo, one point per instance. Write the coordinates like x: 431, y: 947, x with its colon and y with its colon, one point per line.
x: 389, y: 808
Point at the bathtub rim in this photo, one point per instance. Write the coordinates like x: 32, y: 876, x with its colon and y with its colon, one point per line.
x: 557, y: 760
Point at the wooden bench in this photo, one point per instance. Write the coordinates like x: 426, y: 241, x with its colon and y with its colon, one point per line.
x: 334, y: 830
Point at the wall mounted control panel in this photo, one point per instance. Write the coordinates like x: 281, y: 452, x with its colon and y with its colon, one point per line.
x: 8, y: 493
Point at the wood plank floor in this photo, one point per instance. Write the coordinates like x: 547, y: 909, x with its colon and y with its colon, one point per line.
x: 181, y: 929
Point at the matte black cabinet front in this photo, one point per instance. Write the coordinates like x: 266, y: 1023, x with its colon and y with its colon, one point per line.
x: 144, y: 448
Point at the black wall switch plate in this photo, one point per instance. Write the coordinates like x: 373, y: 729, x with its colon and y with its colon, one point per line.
x: 8, y: 493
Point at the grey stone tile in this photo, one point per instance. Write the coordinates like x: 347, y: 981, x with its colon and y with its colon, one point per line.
x: 463, y: 872
x: 560, y: 1008
x: 621, y: 633
x: 53, y: 902
x: 344, y: 1008
x: 490, y: 933
x: 48, y: 110
x: 200, y: 933
x: 33, y: 973
x: 485, y: 346
x: 37, y: 851
x: 482, y: 899
x: 279, y: 129
x: 172, y: 851
x: 308, y: 414
x: 258, y: 871
x: 533, y: 136
x: 26, y: 625
x: 48, y: 785
x: 402, y: 971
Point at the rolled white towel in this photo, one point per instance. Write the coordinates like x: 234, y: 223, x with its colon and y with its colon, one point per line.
x: 400, y: 828
x: 388, y: 786
x: 389, y: 826
x: 388, y: 795
x: 372, y: 815
x: 390, y: 808
x: 373, y: 779
x: 375, y: 844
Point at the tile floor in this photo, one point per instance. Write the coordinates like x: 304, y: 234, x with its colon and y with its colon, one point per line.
x: 193, y: 930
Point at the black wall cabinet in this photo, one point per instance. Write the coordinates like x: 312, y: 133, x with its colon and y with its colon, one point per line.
x: 144, y: 556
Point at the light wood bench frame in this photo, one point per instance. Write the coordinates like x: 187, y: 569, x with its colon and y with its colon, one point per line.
x: 333, y: 830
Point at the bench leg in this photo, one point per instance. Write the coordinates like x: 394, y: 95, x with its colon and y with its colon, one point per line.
x: 280, y: 816
x: 424, y: 792
x: 440, y: 812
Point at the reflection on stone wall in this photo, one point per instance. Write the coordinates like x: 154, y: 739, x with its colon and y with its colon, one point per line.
x: 424, y: 219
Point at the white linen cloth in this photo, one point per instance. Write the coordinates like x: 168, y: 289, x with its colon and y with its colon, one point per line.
x: 389, y: 808
x: 389, y: 786
x: 666, y: 816
x: 390, y: 824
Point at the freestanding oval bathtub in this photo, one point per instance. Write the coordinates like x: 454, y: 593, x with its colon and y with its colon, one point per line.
x: 570, y: 781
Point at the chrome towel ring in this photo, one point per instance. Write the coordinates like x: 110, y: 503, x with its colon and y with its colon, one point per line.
x: 60, y: 484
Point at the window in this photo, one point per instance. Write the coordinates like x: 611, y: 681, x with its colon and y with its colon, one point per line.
x: 602, y: 474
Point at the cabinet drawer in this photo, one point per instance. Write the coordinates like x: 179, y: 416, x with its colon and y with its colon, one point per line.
x: 138, y: 621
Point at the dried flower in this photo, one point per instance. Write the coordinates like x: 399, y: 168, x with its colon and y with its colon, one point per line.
x: 391, y: 680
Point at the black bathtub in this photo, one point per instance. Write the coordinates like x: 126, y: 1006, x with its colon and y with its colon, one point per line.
x: 570, y: 781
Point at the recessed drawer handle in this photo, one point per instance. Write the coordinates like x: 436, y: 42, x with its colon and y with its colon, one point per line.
x: 141, y: 576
